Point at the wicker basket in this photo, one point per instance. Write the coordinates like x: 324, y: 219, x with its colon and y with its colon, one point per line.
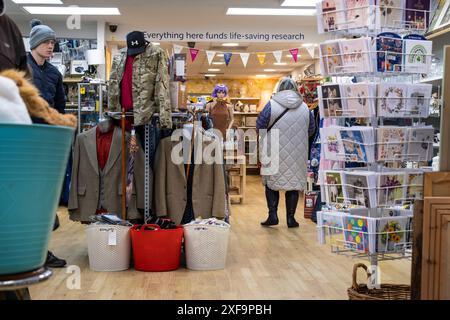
x: 386, y: 291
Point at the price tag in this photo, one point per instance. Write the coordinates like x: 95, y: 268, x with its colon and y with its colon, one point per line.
x: 112, y: 237
x: 83, y: 90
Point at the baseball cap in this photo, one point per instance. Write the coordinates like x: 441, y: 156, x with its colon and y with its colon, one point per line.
x: 136, y: 43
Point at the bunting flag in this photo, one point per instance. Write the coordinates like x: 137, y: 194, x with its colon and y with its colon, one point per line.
x: 227, y: 57
x: 177, y: 49
x: 294, y: 53
x: 278, y: 55
x: 261, y: 57
x: 311, y: 51
x: 210, y: 55
x: 244, y: 58
x: 194, y: 53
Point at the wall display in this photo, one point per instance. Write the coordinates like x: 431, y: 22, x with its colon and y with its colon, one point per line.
x: 418, y: 51
x: 389, y: 52
x: 392, y: 143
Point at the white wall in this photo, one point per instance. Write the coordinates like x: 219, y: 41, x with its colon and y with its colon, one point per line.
x: 88, y: 29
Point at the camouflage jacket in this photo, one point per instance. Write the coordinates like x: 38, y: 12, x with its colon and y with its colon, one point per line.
x: 150, y: 86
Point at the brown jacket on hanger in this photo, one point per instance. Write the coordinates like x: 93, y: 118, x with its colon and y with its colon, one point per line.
x: 208, y: 192
x: 85, y: 185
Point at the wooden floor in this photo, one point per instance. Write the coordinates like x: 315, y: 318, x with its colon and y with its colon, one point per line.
x: 263, y: 263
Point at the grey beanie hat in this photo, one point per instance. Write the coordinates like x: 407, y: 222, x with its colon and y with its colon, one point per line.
x: 40, y: 33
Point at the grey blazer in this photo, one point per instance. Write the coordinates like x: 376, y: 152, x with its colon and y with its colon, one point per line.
x: 208, y: 192
x: 85, y: 184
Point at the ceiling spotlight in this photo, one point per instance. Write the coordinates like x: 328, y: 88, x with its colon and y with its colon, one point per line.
x: 230, y: 44
x: 210, y: 75
x: 270, y: 70
x: 280, y: 64
x: 270, y: 12
x: 218, y: 63
x: 214, y: 70
x: 156, y: 43
x: 299, y: 3
x: 261, y: 75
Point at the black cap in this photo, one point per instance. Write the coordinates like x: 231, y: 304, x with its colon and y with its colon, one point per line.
x: 136, y: 43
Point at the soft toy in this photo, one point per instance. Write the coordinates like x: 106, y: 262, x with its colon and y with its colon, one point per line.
x: 37, y: 106
x: 12, y: 107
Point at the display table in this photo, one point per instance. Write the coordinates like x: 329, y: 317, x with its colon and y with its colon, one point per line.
x: 15, y: 286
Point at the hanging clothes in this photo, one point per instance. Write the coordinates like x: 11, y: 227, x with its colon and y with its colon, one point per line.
x: 171, y: 185
x: 97, y: 186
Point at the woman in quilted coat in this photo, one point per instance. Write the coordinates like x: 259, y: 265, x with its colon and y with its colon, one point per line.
x: 284, y: 125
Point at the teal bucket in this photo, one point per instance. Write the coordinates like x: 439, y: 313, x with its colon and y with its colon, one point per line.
x: 33, y: 160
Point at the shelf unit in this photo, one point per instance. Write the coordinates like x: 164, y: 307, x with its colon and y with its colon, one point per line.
x: 90, y: 105
x: 247, y: 121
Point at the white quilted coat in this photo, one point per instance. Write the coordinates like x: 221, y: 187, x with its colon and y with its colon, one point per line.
x: 287, y: 168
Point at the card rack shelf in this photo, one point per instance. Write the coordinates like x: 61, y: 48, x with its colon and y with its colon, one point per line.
x: 358, y: 229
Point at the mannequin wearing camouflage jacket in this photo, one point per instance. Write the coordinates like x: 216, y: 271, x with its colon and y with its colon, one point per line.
x: 150, y: 86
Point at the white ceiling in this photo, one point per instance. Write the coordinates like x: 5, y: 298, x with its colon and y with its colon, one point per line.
x: 201, y: 15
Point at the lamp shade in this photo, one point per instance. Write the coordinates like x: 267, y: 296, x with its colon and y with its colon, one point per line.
x: 95, y: 57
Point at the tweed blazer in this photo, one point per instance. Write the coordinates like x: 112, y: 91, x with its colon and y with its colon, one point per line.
x: 208, y: 192
x: 85, y: 183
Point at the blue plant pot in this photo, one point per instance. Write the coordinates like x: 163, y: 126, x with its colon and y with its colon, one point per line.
x: 33, y: 161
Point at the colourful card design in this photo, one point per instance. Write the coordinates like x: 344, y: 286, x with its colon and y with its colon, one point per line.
x: 354, y: 147
x: 335, y: 193
x: 417, y: 57
x: 333, y: 15
x: 331, y: 58
x: 333, y: 147
x: 356, y: 233
x: 389, y: 52
x: 390, y: 189
x: 392, y: 143
x: 414, y: 188
x: 356, y: 55
x: 392, y: 233
x: 392, y: 100
x: 418, y: 17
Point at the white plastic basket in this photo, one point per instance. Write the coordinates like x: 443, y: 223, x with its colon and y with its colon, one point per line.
x: 206, y: 246
x: 109, y: 247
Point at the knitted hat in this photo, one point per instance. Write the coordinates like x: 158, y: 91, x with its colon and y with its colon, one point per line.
x: 40, y: 33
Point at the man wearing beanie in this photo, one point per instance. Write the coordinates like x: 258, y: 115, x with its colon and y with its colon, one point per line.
x: 46, y: 77
x: 49, y: 81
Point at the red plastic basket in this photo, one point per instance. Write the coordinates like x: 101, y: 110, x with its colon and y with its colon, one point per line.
x: 156, y: 250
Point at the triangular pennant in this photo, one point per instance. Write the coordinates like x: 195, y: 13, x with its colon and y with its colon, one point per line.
x: 194, y: 53
x: 261, y: 57
x: 294, y: 53
x: 210, y: 55
x: 311, y: 51
x: 244, y: 58
x: 227, y: 57
x: 177, y: 49
x: 278, y: 55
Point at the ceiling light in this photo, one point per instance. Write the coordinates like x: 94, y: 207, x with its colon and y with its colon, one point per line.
x: 68, y: 11
x: 280, y: 64
x: 156, y: 43
x: 270, y: 70
x: 213, y: 70
x: 230, y: 44
x: 261, y: 75
x: 270, y: 12
x: 37, y: 1
x: 210, y: 75
x: 219, y: 55
x: 299, y: 3
x: 218, y: 63
x: 305, y: 45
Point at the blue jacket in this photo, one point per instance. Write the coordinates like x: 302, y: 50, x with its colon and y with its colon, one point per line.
x: 49, y: 82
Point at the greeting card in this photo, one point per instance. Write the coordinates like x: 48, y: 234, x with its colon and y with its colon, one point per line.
x: 360, y: 189
x: 332, y: 143
x: 417, y: 14
x: 356, y: 56
x: 392, y: 233
x: 414, y: 189
x: 418, y: 100
x: 420, y: 145
x: 392, y: 100
x: 358, y: 144
x: 391, y: 14
x: 360, y: 98
x: 333, y: 186
x: 333, y: 225
x: 360, y: 14
x: 331, y: 58
x: 333, y: 15
x: 392, y: 143
x: 332, y: 100
x: 389, y: 52
x: 418, y: 51
x: 390, y: 188
x: 357, y: 233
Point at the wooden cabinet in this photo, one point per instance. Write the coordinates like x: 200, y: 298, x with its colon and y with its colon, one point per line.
x: 436, y: 249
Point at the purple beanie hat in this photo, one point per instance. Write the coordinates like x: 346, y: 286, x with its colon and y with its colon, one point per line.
x: 220, y: 87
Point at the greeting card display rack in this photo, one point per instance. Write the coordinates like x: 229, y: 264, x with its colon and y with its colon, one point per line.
x: 335, y: 223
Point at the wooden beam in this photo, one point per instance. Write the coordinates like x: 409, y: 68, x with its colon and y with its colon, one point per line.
x: 444, y: 150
